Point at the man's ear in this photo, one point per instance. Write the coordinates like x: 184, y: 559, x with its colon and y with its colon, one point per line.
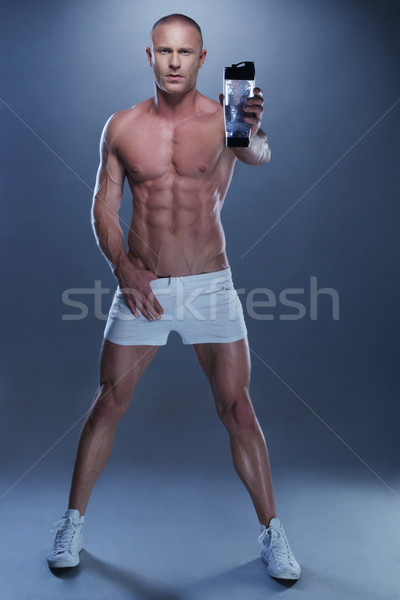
x: 149, y: 56
x: 202, y: 57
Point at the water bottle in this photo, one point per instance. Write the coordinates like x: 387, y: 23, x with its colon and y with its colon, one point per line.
x: 238, y: 86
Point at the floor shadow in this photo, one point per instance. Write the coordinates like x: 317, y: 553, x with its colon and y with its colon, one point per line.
x: 247, y: 580
x: 67, y: 572
x: 287, y: 583
x: 130, y: 581
x: 251, y: 577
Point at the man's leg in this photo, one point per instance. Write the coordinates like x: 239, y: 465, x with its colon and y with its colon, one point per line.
x: 227, y: 367
x: 120, y: 370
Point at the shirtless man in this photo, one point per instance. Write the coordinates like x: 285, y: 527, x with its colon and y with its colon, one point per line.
x: 175, y: 275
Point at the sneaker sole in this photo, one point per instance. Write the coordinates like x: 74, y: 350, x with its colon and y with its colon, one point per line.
x: 281, y: 576
x: 62, y: 564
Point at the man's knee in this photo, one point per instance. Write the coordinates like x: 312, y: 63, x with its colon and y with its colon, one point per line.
x: 237, y: 413
x: 110, y: 405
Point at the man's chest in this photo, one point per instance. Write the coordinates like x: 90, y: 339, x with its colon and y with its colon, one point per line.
x: 192, y: 149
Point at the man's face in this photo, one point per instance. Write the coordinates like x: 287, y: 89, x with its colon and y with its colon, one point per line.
x: 175, y: 57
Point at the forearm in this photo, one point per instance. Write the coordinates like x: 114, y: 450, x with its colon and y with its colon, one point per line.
x: 258, y: 151
x: 110, y: 239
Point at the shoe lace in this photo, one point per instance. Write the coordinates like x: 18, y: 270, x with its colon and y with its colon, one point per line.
x: 279, y: 546
x: 65, y: 530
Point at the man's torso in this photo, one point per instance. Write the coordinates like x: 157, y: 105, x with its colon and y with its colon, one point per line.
x: 178, y: 173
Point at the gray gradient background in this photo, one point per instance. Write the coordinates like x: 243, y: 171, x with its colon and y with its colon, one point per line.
x: 169, y: 518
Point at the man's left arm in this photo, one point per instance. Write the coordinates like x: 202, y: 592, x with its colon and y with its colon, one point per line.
x: 258, y: 151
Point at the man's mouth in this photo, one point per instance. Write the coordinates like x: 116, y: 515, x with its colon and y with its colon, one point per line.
x: 174, y: 76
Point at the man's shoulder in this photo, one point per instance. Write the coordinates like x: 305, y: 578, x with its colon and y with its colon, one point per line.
x: 208, y: 105
x: 120, y: 117
x: 118, y: 121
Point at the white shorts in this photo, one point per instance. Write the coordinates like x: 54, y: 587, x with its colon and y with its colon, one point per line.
x: 202, y: 308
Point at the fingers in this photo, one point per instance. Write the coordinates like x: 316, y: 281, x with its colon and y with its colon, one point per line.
x: 157, y: 306
x: 254, y: 113
x: 131, y: 305
x: 138, y: 303
x: 154, y: 306
x: 254, y: 107
x: 256, y: 101
x: 149, y: 312
x: 148, y: 309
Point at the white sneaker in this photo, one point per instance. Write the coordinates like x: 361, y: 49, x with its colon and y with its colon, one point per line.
x: 68, y: 541
x: 276, y: 552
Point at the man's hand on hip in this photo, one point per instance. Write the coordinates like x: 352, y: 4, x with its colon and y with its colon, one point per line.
x: 135, y: 286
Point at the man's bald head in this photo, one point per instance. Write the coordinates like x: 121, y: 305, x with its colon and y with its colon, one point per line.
x: 178, y: 18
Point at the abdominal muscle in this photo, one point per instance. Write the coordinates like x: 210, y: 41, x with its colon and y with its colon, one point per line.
x: 176, y: 228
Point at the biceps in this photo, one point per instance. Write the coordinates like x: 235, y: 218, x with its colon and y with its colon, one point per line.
x: 109, y: 183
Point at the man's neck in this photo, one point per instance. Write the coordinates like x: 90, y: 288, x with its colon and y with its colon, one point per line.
x: 175, y: 106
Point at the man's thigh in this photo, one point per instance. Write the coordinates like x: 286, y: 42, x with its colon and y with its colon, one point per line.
x: 226, y: 365
x: 121, y: 367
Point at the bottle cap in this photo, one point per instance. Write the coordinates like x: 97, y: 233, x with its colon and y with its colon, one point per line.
x: 246, y: 71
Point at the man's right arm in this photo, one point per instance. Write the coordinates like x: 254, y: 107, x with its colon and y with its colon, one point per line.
x: 107, y: 229
x: 107, y: 201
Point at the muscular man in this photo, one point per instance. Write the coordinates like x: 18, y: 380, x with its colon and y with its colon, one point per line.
x: 175, y: 275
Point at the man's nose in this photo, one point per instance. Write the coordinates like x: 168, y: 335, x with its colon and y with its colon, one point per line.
x: 174, y: 62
